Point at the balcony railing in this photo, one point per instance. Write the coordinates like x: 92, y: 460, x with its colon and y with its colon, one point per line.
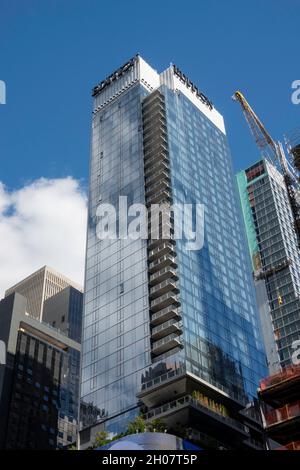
x: 164, y: 301
x: 153, y: 127
x: 161, y: 165
x: 151, y: 160
x: 163, y: 248
x: 166, y: 260
x: 166, y: 328
x: 156, y: 186
x: 157, y: 175
x: 162, y: 379
x: 161, y: 197
x: 165, y: 314
x: 157, y: 145
x: 291, y: 446
x: 288, y: 373
x: 164, y: 273
x: 205, y: 440
x: 148, y: 119
x: 165, y: 344
x: 165, y: 286
x: 153, y: 105
x: 285, y: 413
x: 189, y: 400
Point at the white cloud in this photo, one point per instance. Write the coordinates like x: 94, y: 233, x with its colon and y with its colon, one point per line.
x: 42, y: 223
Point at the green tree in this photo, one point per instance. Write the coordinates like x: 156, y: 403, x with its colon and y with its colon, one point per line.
x: 140, y: 425
x: 137, y: 425
x: 156, y: 425
x: 101, y: 439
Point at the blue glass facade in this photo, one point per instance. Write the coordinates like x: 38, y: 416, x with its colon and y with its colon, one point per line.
x: 116, y: 322
x: 218, y: 338
x: 221, y: 330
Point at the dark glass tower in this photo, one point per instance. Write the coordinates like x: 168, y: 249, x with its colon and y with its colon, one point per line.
x: 39, y: 381
x: 171, y: 331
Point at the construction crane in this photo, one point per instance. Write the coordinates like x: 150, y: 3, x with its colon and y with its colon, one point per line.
x: 274, y: 153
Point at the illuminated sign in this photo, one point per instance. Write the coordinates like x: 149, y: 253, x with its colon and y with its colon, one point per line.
x: 114, y: 76
x: 189, y: 84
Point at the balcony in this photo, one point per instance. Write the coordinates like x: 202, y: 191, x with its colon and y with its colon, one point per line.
x: 159, y: 144
x: 157, y: 197
x: 161, y: 229
x: 165, y: 344
x: 207, y: 414
x: 154, y: 155
x: 165, y: 314
x: 152, y: 160
x: 162, y: 249
x: 288, y: 373
x: 156, y: 186
x: 154, y: 108
x: 163, y: 274
x: 158, y: 167
x: 162, y: 196
x: 153, y: 100
x: 154, y: 126
x: 156, y: 176
x: 204, y: 440
x: 164, y: 301
x: 154, y: 242
x: 291, y: 446
x: 286, y: 413
x: 153, y: 140
x: 254, y: 444
x: 165, y: 329
x: 165, y: 286
x: 166, y: 260
x: 160, y: 388
x: 280, y: 388
x: 148, y: 119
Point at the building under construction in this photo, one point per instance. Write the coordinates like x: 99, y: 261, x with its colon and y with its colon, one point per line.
x: 269, y: 193
x: 274, y: 251
x: 279, y: 396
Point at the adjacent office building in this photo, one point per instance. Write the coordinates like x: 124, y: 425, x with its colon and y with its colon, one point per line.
x: 275, y: 257
x: 39, y: 383
x: 63, y: 311
x: 169, y: 331
x: 40, y: 286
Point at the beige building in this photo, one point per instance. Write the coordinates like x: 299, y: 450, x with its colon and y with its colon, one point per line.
x: 39, y: 287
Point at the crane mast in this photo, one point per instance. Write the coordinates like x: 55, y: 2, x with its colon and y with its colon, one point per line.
x: 273, y: 152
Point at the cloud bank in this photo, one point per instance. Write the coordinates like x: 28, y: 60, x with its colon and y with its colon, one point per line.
x: 42, y: 223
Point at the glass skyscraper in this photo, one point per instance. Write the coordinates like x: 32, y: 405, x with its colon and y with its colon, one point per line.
x: 169, y: 331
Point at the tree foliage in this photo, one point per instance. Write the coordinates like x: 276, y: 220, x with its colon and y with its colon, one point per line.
x: 136, y: 426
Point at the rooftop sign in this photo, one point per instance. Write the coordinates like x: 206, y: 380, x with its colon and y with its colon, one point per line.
x: 189, y: 84
x: 114, y: 76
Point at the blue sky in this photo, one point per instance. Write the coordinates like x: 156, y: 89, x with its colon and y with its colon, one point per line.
x: 52, y: 53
